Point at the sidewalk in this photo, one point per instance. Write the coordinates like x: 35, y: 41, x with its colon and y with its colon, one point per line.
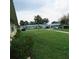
x: 61, y: 31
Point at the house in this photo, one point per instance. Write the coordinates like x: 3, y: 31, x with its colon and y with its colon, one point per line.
x: 13, y: 20
x: 35, y: 26
x: 55, y: 25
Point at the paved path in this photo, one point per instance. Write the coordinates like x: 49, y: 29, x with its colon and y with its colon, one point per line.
x: 58, y: 31
x: 53, y: 30
x: 61, y: 31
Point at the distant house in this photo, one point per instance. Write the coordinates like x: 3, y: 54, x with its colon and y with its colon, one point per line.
x: 35, y: 26
x: 55, y: 25
x: 65, y: 26
x: 13, y: 20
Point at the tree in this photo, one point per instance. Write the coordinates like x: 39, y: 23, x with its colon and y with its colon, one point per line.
x: 32, y: 23
x: 65, y: 20
x: 22, y: 23
x: 45, y: 20
x: 26, y: 23
x: 38, y: 19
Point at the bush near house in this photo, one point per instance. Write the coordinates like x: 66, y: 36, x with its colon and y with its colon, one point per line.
x: 21, y: 46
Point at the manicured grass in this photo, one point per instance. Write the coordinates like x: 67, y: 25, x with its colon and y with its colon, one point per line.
x: 49, y: 44
x: 42, y: 44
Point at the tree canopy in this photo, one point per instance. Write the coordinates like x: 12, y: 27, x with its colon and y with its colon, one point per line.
x: 65, y: 20
x: 22, y: 23
x: 32, y: 23
x: 26, y: 23
x: 45, y: 20
x: 39, y: 20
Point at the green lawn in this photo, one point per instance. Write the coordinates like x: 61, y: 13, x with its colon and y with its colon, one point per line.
x: 48, y: 44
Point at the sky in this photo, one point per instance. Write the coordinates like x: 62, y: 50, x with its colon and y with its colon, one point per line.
x: 51, y: 9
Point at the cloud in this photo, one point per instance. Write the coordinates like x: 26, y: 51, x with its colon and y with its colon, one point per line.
x: 28, y: 4
x: 52, y: 9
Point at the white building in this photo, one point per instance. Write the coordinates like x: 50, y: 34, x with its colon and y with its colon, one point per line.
x: 55, y: 25
x: 43, y: 26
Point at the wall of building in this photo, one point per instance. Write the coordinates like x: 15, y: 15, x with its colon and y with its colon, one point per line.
x: 13, y: 20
